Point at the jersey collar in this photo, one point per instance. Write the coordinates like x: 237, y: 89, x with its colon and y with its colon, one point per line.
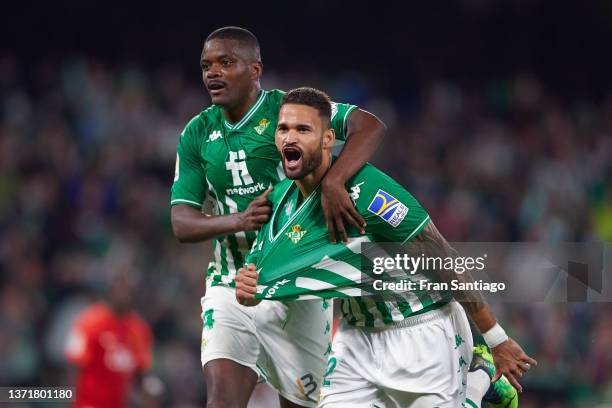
x: 272, y: 236
x: 247, y: 115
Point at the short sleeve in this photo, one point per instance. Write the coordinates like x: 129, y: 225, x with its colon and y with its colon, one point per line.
x: 339, y: 118
x: 189, y: 185
x: 392, y: 214
x: 78, y: 348
x: 145, y: 352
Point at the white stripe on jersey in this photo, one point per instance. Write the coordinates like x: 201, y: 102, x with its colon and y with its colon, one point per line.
x: 341, y: 268
x: 280, y: 172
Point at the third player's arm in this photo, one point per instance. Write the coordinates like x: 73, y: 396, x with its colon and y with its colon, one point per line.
x: 432, y: 244
x: 189, y: 224
x: 510, y: 359
x: 364, y: 134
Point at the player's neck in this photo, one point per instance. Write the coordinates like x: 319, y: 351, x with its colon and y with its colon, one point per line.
x: 307, y: 184
x: 235, y: 113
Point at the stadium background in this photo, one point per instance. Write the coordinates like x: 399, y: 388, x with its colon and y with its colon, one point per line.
x: 500, y: 123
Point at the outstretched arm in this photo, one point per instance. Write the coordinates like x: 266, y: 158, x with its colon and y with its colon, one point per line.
x: 509, y: 357
x: 364, y: 134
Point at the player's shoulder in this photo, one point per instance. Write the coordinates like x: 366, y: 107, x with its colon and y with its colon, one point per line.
x: 199, y: 124
x: 274, y: 97
x: 139, y: 324
x: 370, y: 182
x: 93, y: 316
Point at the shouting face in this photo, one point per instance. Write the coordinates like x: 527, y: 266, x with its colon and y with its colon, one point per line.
x: 302, y: 138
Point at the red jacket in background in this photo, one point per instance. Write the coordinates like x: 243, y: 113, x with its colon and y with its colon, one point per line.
x: 109, y: 350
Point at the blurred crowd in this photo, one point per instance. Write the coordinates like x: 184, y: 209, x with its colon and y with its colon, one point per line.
x: 86, y: 161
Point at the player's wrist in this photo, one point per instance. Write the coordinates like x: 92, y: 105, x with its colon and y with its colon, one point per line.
x: 495, y: 336
x: 240, y: 221
x: 331, y: 179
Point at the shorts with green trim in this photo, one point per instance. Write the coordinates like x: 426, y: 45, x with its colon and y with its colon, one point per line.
x: 420, y: 362
x: 287, y: 344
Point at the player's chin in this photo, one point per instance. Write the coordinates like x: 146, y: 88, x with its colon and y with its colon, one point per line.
x: 293, y: 173
x: 220, y: 97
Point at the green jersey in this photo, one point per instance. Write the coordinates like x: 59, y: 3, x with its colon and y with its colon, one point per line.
x: 296, y: 261
x: 231, y: 164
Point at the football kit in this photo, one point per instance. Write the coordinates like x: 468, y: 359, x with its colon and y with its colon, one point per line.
x: 411, y: 348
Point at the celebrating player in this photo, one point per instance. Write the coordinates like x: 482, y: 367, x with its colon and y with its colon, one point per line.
x: 227, y: 153
x: 412, y: 351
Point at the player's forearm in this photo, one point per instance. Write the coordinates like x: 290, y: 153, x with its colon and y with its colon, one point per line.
x: 191, y: 225
x: 431, y: 243
x: 364, y: 134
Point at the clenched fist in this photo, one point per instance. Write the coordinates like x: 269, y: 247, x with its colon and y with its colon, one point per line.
x: 246, y: 286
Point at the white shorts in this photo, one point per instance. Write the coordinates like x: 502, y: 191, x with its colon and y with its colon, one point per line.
x: 421, y: 362
x: 287, y: 344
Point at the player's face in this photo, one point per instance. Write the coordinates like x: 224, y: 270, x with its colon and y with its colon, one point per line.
x: 301, y: 138
x: 228, y: 72
x: 120, y: 293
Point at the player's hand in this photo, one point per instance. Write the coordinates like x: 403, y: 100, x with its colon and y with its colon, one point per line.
x: 246, y: 286
x: 257, y: 213
x: 339, y: 210
x: 511, y: 361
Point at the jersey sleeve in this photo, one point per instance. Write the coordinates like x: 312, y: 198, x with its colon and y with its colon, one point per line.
x: 78, y: 347
x: 189, y: 185
x: 145, y: 353
x: 392, y: 214
x: 339, y: 119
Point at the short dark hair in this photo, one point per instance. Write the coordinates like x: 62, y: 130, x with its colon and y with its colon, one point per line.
x: 242, y: 35
x: 310, y: 97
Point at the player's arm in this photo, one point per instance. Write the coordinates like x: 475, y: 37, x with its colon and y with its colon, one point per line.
x: 190, y: 224
x: 364, y: 133
x: 509, y: 357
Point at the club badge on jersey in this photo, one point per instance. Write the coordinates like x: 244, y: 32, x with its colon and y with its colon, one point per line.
x: 296, y: 233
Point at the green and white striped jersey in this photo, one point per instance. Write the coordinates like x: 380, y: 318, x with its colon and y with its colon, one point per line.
x: 231, y: 164
x: 295, y: 259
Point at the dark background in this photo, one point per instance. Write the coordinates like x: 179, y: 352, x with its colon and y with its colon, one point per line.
x: 500, y: 124
x: 565, y: 44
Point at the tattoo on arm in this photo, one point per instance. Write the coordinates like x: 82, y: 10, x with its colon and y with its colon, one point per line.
x: 431, y: 243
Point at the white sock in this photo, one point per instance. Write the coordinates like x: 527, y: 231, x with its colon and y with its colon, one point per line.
x: 478, y: 382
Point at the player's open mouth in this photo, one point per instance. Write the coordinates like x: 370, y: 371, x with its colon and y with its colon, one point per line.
x: 292, y: 156
x: 215, y: 87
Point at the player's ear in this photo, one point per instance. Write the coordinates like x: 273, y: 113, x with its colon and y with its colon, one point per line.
x: 329, y: 137
x: 257, y: 69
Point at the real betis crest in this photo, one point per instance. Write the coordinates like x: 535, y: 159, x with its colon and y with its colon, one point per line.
x: 263, y: 124
x: 296, y: 233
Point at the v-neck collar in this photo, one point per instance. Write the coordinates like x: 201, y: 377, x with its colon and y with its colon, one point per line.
x: 247, y: 116
x: 271, y: 235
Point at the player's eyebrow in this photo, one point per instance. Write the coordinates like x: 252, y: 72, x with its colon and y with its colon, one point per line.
x: 222, y: 56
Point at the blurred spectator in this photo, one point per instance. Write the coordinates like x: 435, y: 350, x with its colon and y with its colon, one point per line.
x: 111, y: 346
